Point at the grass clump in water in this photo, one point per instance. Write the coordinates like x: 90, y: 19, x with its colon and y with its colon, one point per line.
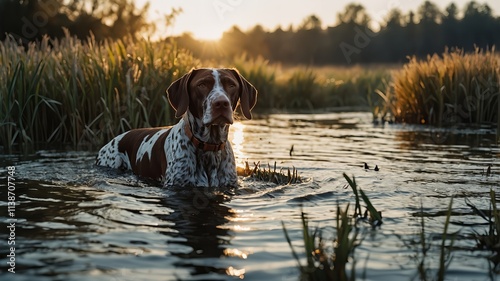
x: 326, y: 264
x: 375, y: 217
x: 456, y: 87
x: 270, y: 174
x: 491, y: 239
x: 322, y: 265
x: 422, y: 246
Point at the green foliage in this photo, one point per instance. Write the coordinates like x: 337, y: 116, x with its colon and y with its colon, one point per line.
x: 78, y: 92
x: 72, y: 91
x: 375, y: 218
x: 322, y: 265
x: 456, y: 87
x: 305, y: 88
x: 423, y: 245
x: 491, y: 239
x: 262, y: 75
x: 270, y: 174
x: 301, y: 89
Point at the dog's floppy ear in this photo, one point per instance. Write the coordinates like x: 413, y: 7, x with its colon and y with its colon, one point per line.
x: 248, y: 94
x: 178, y: 94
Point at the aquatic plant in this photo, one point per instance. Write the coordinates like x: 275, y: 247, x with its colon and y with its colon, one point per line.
x: 456, y: 87
x: 375, y: 217
x: 491, y: 239
x: 273, y: 175
x: 322, y: 264
x: 422, y: 245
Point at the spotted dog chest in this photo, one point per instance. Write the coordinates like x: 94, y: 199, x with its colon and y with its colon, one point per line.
x: 188, y: 165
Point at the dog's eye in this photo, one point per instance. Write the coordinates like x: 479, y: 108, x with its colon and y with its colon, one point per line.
x: 230, y: 86
x: 202, y: 85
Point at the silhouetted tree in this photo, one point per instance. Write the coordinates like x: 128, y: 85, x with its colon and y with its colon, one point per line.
x: 450, y: 26
x: 428, y: 12
x: 29, y: 20
x: 478, y: 25
x: 428, y: 27
x: 395, y: 18
x: 354, y: 14
x: 310, y: 22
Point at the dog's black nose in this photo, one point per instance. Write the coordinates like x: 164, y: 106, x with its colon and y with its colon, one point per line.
x: 221, y: 103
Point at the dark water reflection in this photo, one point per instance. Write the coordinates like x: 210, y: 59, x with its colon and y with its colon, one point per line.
x: 199, y: 217
x: 79, y: 222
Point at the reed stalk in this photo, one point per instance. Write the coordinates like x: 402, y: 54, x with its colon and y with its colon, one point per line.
x: 321, y: 264
x: 453, y: 88
x: 84, y: 92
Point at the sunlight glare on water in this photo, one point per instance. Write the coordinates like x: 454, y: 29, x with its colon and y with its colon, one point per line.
x: 237, y: 137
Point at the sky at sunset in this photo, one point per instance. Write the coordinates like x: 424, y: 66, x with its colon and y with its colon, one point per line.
x: 208, y: 19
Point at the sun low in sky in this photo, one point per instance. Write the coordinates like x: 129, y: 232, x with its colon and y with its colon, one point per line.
x: 208, y: 19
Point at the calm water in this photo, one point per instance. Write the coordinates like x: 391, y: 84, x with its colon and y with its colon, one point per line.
x: 80, y: 222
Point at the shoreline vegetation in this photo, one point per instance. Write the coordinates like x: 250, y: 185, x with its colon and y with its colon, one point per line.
x: 83, y: 92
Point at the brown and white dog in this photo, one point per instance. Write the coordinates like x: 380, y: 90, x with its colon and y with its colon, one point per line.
x: 196, y: 151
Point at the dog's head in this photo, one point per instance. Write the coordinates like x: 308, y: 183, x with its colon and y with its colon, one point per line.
x: 212, y: 95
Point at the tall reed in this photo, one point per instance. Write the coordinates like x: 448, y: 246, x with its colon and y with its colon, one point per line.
x: 491, y: 239
x: 262, y: 75
x: 72, y: 91
x: 311, y: 88
x: 321, y: 263
x: 456, y: 87
x: 423, y: 244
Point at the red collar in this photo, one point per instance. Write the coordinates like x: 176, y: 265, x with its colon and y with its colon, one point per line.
x: 201, y: 144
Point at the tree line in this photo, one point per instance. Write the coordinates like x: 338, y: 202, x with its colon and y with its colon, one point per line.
x: 30, y: 20
x: 353, y: 39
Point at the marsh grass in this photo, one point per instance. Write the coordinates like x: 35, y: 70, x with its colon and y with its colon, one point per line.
x: 422, y: 246
x: 84, y: 92
x: 330, y: 87
x: 271, y: 174
x: 455, y: 87
x: 491, y: 239
x: 321, y: 264
x: 295, y: 88
x: 262, y: 75
x: 374, y: 217
x: 326, y: 262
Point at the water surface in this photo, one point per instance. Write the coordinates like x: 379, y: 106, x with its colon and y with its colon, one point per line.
x: 76, y: 221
